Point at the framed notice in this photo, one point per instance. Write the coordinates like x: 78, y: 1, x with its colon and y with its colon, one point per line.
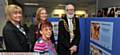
x: 102, y: 33
x: 95, y: 50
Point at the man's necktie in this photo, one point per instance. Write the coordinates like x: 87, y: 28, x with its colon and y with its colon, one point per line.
x: 71, y: 29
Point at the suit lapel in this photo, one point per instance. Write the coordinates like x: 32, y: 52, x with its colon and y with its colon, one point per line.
x: 65, y: 18
x: 15, y: 28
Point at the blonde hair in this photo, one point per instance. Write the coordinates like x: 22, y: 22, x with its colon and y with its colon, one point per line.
x: 37, y: 17
x: 11, y: 9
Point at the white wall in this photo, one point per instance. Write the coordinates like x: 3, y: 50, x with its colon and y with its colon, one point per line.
x: 2, y: 15
x: 91, y: 10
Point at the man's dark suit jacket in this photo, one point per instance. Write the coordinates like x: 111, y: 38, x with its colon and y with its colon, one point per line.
x: 15, y: 40
x: 64, y: 37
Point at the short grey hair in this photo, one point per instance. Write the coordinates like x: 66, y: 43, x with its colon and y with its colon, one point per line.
x: 67, y: 5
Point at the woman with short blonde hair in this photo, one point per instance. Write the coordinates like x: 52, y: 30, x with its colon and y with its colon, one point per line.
x: 15, y: 36
x: 10, y: 9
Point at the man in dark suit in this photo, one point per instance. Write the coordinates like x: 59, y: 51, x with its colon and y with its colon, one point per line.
x: 69, y: 33
x: 15, y: 35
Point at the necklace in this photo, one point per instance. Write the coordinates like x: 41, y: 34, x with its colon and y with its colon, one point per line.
x: 66, y: 26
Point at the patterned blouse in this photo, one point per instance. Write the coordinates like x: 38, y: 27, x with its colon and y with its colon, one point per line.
x: 44, y: 48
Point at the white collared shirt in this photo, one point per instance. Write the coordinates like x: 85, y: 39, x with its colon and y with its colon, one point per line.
x: 70, y: 24
x: 21, y: 29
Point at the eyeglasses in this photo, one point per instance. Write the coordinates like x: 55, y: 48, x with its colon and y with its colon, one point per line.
x: 70, y: 9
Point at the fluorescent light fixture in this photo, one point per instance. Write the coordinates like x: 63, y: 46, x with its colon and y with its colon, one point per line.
x: 80, y: 12
x: 59, y: 11
x: 61, y: 5
x: 35, y: 4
